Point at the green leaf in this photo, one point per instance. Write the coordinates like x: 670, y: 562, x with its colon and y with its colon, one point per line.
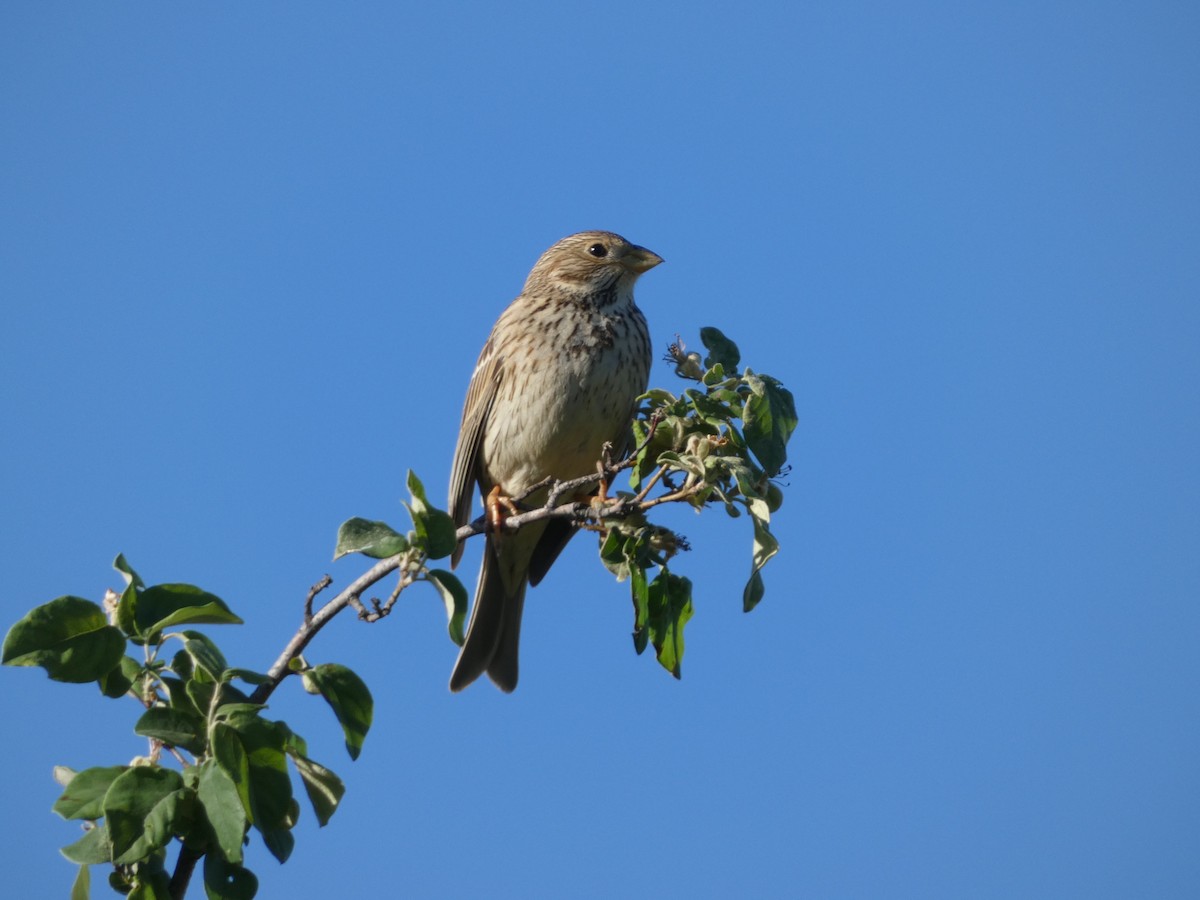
x: 768, y: 420
x: 119, y: 882
x: 753, y: 592
x: 173, y: 727
x: 669, y: 607
x: 323, y: 787
x: 350, y: 699
x: 715, y: 375
x: 271, y: 801
x: 230, y: 755
x: 204, y: 653
x: 172, y: 815
x: 731, y: 398
x: 231, y: 710
x: 745, y: 475
x: 434, y: 527
x: 765, y: 547
x: 118, y: 682
x: 223, y: 808
x: 91, y: 849
x: 279, y: 841
x: 247, y: 676
x: 191, y: 824
x: 657, y: 397
x: 612, y: 553
x: 647, y: 459
x: 181, y: 665
x: 435, y: 530
x: 81, y: 889
x: 201, y: 694
x: 178, y: 696
x: 68, y: 637
x: 293, y: 745
x: 709, y: 410
x: 83, y: 795
x: 151, y: 882
x: 721, y: 350
x: 165, y: 605
x: 639, y: 590
x: 454, y: 596
x: 641, y: 430
x: 127, y: 608
x: 687, y: 462
x: 228, y: 881
x: 416, y: 488
x: 377, y: 540
x: 130, y: 800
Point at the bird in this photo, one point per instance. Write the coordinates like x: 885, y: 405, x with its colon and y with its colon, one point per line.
x: 557, y: 379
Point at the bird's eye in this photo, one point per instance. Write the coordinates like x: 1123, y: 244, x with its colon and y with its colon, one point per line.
x: 598, y: 250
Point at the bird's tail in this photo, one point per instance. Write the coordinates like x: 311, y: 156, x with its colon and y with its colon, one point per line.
x: 494, y: 632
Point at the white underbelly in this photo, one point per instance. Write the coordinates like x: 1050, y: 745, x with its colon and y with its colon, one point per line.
x: 560, y: 431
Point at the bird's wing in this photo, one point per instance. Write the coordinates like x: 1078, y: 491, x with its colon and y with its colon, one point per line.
x: 465, y: 472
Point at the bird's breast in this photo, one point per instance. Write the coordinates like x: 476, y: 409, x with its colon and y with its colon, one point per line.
x: 567, y: 388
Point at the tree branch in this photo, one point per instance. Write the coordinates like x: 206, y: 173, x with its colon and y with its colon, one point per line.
x: 316, y: 621
x: 577, y: 512
x: 185, y: 864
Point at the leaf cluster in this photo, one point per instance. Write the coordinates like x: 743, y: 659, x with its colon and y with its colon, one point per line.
x: 232, y: 772
x: 721, y: 441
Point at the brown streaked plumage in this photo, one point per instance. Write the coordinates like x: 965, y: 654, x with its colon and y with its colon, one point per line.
x: 557, y: 378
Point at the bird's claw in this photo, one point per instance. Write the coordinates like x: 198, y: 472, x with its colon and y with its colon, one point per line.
x: 498, y: 505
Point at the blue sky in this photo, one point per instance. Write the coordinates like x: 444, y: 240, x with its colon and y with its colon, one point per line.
x: 249, y: 254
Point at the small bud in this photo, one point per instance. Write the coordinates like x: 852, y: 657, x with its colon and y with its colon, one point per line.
x: 689, y: 367
x: 667, y: 542
x: 111, y: 601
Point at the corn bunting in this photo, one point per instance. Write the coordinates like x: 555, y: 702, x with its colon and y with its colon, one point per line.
x: 556, y: 380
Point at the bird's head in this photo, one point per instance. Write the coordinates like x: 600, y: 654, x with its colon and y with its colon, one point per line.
x: 591, y: 262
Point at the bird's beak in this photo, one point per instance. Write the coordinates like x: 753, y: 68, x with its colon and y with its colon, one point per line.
x: 640, y: 260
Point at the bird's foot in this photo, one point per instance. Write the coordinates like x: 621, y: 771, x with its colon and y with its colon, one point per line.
x: 498, y: 506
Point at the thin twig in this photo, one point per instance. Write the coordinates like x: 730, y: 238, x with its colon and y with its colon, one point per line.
x: 325, y: 582
x: 641, y: 495
x: 651, y: 426
x: 682, y: 494
x: 379, y: 610
x: 533, y: 489
x: 309, y: 629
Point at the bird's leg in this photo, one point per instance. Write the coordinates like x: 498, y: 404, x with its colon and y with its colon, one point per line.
x: 497, y: 505
x: 602, y: 493
x: 600, y: 499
